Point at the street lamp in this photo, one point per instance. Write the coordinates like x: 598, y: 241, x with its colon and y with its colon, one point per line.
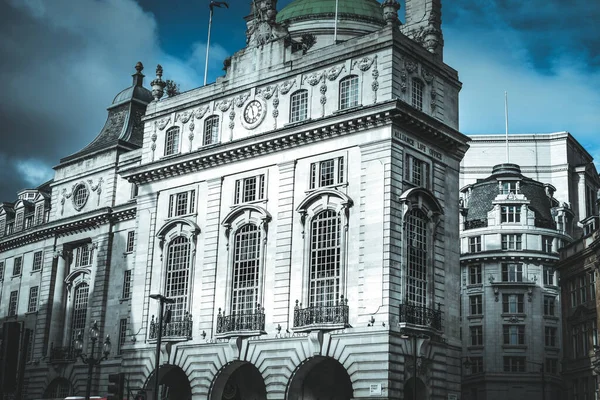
x: 162, y: 300
x: 91, y: 361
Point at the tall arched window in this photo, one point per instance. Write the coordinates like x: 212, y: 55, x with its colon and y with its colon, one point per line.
x: 299, y: 106
x: 80, y: 306
x: 416, y: 248
x: 349, y: 92
x: 211, y: 130
x: 246, y: 269
x: 172, y: 141
x: 325, y: 259
x: 178, y: 276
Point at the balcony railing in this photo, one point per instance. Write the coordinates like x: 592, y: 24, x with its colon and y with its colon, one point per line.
x: 173, y: 329
x: 251, y: 321
x: 421, y: 315
x: 476, y: 223
x: 322, y: 315
x: 61, y: 354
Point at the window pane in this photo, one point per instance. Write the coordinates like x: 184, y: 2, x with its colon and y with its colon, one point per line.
x: 299, y: 106
x: 246, y: 269
x: 178, y: 273
x: 325, y: 251
x: 349, y: 92
x: 416, y: 236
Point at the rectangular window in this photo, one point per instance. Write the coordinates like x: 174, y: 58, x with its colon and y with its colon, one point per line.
x: 560, y: 224
x: 476, y: 304
x: 512, y: 303
x: 12, y: 303
x: 477, y: 335
x: 417, y: 94
x: 416, y: 171
x: 514, y: 334
x: 127, y: 284
x: 549, y: 305
x: 509, y: 187
x: 476, y: 365
x: 130, y: 241
x: 512, y: 272
x: 592, y: 283
x: 249, y: 189
x: 83, y: 256
x: 299, y: 106
x: 575, y: 342
x: 18, y: 266
x: 19, y: 221
x: 475, y: 274
x: 573, y: 291
x: 349, y: 92
x: 548, y: 275
x: 172, y: 141
x: 550, y: 336
x: 134, y: 191
x: 37, y: 261
x: 512, y: 242
x: 514, y: 364
x: 1, y: 270
x: 552, y: 366
x: 182, y: 203
x: 39, y: 214
x: 474, y: 244
x: 33, y: 299
x: 122, y: 335
x: 510, y: 213
x: 28, y: 222
x: 3, y: 226
x: 582, y: 289
x: 547, y: 244
x: 327, y: 172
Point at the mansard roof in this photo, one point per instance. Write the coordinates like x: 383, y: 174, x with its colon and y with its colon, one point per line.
x: 123, y: 127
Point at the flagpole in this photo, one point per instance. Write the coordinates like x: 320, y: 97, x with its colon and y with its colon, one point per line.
x: 506, y: 123
x: 335, y: 23
x: 208, y: 44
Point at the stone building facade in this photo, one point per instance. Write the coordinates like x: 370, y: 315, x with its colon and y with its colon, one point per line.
x: 301, y: 213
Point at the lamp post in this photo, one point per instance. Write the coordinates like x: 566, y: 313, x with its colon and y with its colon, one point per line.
x: 162, y: 300
x: 91, y: 361
x: 406, y: 334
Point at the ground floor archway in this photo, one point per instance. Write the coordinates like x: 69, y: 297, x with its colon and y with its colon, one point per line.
x: 173, y: 383
x: 320, y: 378
x: 59, y: 388
x: 415, y: 389
x: 238, y: 381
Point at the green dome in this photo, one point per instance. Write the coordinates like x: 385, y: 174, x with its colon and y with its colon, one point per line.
x: 311, y: 9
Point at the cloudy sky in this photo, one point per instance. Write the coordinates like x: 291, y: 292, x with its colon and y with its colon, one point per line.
x: 63, y: 61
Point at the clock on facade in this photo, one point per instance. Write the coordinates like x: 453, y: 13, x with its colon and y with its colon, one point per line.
x: 254, y: 113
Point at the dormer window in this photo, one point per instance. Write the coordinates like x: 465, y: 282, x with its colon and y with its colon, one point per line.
x: 39, y: 214
x: 19, y: 221
x: 509, y: 187
x: 510, y: 214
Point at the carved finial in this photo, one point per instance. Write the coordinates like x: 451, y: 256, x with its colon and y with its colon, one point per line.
x: 390, y: 12
x: 158, y: 85
x: 139, y: 67
x: 138, y: 77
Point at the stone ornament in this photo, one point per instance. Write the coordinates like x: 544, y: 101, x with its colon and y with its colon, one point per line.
x: 428, y: 76
x: 364, y: 63
x: 163, y: 122
x: 158, y: 85
x: 313, y: 78
x: 224, y: 105
x: 286, y: 86
x: 241, y: 99
x: 390, y: 12
x: 201, y: 111
x: 184, y: 116
x: 334, y: 72
x: 267, y: 92
x: 375, y: 83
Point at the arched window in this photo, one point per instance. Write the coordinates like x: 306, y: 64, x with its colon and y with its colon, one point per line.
x: 325, y: 259
x: 246, y: 269
x: 172, y: 141
x: 416, y: 248
x: 177, y: 281
x: 349, y: 92
x: 211, y: 130
x: 417, y: 94
x: 299, y: 106
x: 80, y: 306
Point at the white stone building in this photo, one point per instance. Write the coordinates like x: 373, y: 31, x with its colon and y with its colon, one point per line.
x: 301, y: 212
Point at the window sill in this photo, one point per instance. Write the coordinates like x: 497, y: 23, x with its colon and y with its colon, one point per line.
x: 245, y: 203
x: 36, y: 271
x: 475, y: 347
x: 335, y: 186
x: 509, y: 315
x: 515, y: 346
x: 181, y: 216
x: 475, y: 286
x: 124, y: 299
x: 475, y: 316
x: 16, y: 276
x: 296, y: 123
x: 31, y: 312
x: 347, y: 109
x: 242, y: 333
x: 551, y: 317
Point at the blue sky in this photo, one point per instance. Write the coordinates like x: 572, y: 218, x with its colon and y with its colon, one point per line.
x: 63, y: 61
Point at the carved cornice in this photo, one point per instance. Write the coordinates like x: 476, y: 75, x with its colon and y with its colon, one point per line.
x: 291, y: 137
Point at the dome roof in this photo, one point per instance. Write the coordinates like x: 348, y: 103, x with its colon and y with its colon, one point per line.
x: 313, y: 9
x: 133, y: 92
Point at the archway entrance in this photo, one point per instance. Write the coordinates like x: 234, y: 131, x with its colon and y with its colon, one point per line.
x: 320, y: 378
x: 238, y: 381
x: 173, y: 384
x: 415, y: 389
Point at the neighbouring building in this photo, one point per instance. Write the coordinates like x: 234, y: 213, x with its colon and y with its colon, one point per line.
x: 300, y: 214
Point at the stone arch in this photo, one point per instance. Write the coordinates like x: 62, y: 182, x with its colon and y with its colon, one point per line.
x: 415, y: 388
x: 174, y: 383
x: 320, y: 378
x: 58, y: 388
x: 238, y: 380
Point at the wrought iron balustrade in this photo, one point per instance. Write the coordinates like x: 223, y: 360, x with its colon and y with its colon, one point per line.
x: 61, y: 354
x: 336, y: 314
x: 250, y: 321
x: 421, y: 315
x: 476, y: 223
x: 173, y: 329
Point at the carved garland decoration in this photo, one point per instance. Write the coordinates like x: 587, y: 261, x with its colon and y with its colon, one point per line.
x: 412, y: 68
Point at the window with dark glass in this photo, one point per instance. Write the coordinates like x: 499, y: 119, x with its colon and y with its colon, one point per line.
x: 514, y: 334
x: 476, y: 365
x: 416, y: 171
x: 127, y: 284
x: 476, y: 304
x: 474, y: 244
x: 249, y: 189
x: 325, y: 259
x: 512, y: 272
x: 37, y: 261
x: 1, y: 270
x: 246, y: 269
x: 476, y: 335
x: 592, y: 284
x: 512, y: 242
x: 514, y: 364
x: 475, y: 274
x: 327, y: 172
x: 19, y: 221
x: 211, y: 130
x: 548, y: 275
x: 80, y: 306
x: 417, y: 247
x: 582, y: 289
x: 122, y: 335
x: 349, y: 92
x: 172, y: 141
x: 12, y: 303
x: 512, y: 303
x: 549, y: 305
x: 83, y: 256
x: 299, y: 106
x: 510, y: 214
x: 550, y: 336
x: 177, y: 282
x: 547, y: 244
x: 182, y: 203
x: 18, y: 266
x: 130, y: 241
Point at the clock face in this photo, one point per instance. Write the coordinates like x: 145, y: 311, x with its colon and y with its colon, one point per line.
x: 253, y: 112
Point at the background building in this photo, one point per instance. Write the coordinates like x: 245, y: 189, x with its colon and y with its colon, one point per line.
x: 301, y: 213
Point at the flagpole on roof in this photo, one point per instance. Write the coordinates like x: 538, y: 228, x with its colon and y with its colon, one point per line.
x: 335, y: 22
x: 211, y: 5
x: 506, y: 123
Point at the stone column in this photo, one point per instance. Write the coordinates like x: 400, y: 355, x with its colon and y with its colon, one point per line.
x: 58, y: 297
